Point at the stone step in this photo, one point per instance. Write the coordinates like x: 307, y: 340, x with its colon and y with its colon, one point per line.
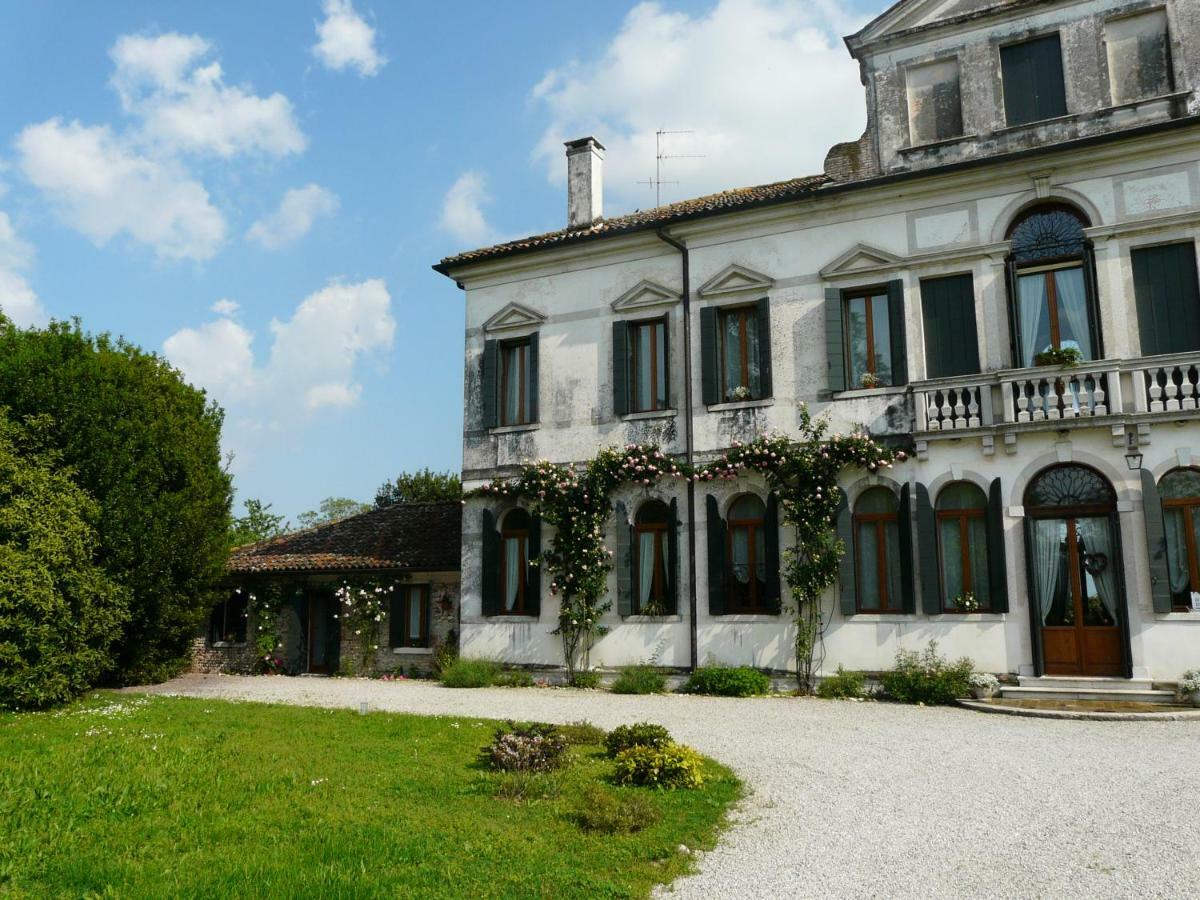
x: 1141, y: 695
x: 1092, y: 683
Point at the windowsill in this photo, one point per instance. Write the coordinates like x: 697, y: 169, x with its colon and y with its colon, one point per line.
x: 649, y: 414
x: 1178, y: 616
x: 970, y: 617
x: 855, y: 393
x: 227, y: 645
x: 1037, y: 123
x: 513, y: 429
x: 513, y: 619
x: 638, y: 619
x: 748, y: 618
x: 936, y: 145
x: 411, y: 651
x: 880, y: 617
x: 1146, y: 101
x: 740, y: 404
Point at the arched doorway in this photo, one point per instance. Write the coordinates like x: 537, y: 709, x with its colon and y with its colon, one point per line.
x: 1080, y: 625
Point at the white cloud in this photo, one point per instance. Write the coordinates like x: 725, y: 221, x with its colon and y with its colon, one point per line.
x: 225, y: 307
x: 462, y: 210
x: 102, y: 188
x: 185, y: 104
x: 345, y: 40
x: 216, y: 356
x: 17, y: 299
x: 766, y: 86
x: 297, y: 211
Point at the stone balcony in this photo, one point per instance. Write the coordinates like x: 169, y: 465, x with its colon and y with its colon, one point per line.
x: 1106, y: 393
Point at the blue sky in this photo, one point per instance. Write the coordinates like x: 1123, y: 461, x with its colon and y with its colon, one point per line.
x: 257, y: 190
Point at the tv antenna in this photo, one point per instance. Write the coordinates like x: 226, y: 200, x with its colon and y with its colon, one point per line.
x: 657, y: 182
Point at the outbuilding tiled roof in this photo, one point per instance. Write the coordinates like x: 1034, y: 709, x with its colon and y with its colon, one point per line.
x: 406, y: 536
x: 713, y: 204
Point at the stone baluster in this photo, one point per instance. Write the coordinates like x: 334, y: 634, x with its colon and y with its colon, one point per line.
x: 1156, y: 404
x: 1171, y: 389
x: 1188, y: 387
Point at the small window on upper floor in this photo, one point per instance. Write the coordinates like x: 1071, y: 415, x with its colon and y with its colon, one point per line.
x: 934, y: 105
x: 1139, y: 56
x: 510, y: 382
x: 1033, y: 80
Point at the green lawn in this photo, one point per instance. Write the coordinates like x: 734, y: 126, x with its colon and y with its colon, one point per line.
x: 133, y: 796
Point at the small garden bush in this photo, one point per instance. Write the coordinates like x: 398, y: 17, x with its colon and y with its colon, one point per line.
x: 639, y: 680
x: 470, y: 673
x: 842, y: 685
x: 513, y: 678
x: 608, y: 812
x: 640, y: 734
x: 526, y: 747
x: 586, y: 680
x: 670, y: 767
x: 724, y: 681
x: 583, y: 734
x: 527, y: 787
x: 927, y: 678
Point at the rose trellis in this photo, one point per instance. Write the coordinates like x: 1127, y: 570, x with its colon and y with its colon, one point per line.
x: 363, y: 604
x: 802, y: 470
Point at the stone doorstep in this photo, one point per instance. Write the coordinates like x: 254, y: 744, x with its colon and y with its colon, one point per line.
x: 1095, y: 683
x: 1082, y: 693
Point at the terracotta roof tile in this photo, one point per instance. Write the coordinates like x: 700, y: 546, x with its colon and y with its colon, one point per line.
x: 713, y: 204
x: 407, y: 536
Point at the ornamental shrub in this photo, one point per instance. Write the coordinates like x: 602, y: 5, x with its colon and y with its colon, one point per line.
x: 639, y: 680
x: 641, y: 734
x: 842, y: 685
x: 670, y: 767
x: 470, y: 673
x: 607, y: 812
x: 582, y: 734
x: 586, y: 680
x: 724, y: 681
x: 513, y: 678
x: 927, y: 678
x: 526, y: 747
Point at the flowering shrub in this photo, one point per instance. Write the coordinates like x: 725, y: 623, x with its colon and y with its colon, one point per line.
x: 262, y: 610
x: 362, y: 605
x: 1189, y: 684
x: 641, y: 734
x: 672, y: 766
x: 984, y: 681
x: 927, y: 677
x: 531, y: 747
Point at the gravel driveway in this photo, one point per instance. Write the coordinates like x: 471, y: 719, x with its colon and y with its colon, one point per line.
x: 875, y: 800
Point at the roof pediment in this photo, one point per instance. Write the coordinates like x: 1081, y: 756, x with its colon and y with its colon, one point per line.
x: 514, y: 316
x: 861, y: 257
x: 909, y: 14
x: 644, y: 294
x: 735, y: 279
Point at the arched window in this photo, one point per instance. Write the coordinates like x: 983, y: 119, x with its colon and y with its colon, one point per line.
x: 1180, y: 492
x: 1052, y: 282
x: 962, y: 548
x: 876, y: 549
x: 514, y: 561
x: 747, y: 555
x: 652, y: 591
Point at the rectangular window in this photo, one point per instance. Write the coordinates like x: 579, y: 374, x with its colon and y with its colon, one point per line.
x: 934, y: 105
x: 951, y: 341
x: 410, y: 616
x: 227, y: 622
x: 1168, y: 298
x: 1033, y: 80
x: 868, y: 338
x: 1139, y: 56
x: 648, y: 362
x: 516, y: 403
x: 741, y: 376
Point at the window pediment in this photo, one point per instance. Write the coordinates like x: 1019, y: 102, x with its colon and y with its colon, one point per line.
x: 735, y: 279
x: 513, y: 317
x: 645, y: 294
x: 862, y: 257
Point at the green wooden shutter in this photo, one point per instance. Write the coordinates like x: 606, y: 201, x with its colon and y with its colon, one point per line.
x: 762, y: 312
x: 847, y: 585
x: 835, y: 341
x: 1156, y: 544
x: 716, y: 557
x: 996, y: 551
x: 774, y: 600
x: 491, y: 384
x: 396, y: 618
x: 624, y: 560
x: 709, y: 389
x: 673, y: 558
x: 908, y: 591
x: 533, y: 580
x: 1033, y: 80
x: 620, y: 364
x: 1166, y: 287
x: 1035, y: 616
x: 897, y: 332
x: 927, y: 552
x: 951, y: 338
x: 533, y: 378
x: 1014, y: 316
x: 489, y: 580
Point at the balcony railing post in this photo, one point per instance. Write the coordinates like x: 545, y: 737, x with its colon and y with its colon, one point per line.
x: 1112, y: 390
x: 1138, y: 381
x: 922, y: 410
x: 1006, y: 396
x: 985, y: 404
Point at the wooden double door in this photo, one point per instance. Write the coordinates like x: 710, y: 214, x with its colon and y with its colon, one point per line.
x: 321, y: 633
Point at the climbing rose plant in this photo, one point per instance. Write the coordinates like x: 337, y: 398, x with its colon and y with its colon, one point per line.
x: 363, y: 603
x: 263, y: 606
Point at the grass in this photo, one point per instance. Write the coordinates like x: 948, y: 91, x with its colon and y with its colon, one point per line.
x: 131, y: 796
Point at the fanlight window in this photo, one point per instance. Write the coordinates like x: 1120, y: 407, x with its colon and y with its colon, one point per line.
x: 1046, y: 233
x: 1070, y: 486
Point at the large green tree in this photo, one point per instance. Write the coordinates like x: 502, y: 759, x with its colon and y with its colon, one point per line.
x: 60, y: 613
x: 422, y: 486
x: 146, y: 445
x: 258, y: 524
x: 330, y: 510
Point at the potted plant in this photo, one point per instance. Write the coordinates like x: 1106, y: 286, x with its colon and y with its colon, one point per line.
x: 1064, y: 357
x: 869, y: 380
x: 1188, y: 688
x: 739, y: 393
x: 983, y: 685
x: 966, y: 603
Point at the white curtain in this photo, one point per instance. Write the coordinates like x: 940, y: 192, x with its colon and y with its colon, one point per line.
x: 741, y: 555
x: 1177, y: 554
x: 952, y: 573
x: 752, y: 366
x: 645, y: 567
x: 512, y: 572
x: 1096, y: 535
x: 977, y: 548
x: 1072, y: 305
x: 512, y: 403
x: 1032, y: 290
x: 733, y: 355
x: 1047, y: 547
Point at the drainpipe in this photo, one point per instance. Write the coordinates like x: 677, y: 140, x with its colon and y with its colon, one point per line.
x: 689, y: 442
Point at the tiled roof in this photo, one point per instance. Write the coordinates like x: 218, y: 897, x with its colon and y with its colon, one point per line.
x: 406, y: 536
x: 713, y: 204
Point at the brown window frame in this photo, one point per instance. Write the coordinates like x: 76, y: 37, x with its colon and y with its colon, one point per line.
x: 1052, y: 296
x: 754, y: 606
x: 881, y: 522
x: 655, y: 362
x: 521, y: 534
x: 422, y: 639
x: 523, y: 389
x: 1186, y: 505
x: 659, y: 593
x: 867, y: 294
x: 964, y: 516
x: 744, y: 314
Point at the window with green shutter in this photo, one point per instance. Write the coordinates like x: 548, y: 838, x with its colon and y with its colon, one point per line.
x: 875, y: 349
x: 1168, y: 298
x: 408, y: 618
x: 948, y: 314
x: 1032, y: 73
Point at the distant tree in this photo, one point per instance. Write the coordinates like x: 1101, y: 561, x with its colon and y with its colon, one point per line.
x: 423, y: 486
x: 258, y: 524
x: 331, y: 509
x: 147, y: 447
x: 60, y: 613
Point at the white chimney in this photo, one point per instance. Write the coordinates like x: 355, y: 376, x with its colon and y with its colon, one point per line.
x: 585, y: 182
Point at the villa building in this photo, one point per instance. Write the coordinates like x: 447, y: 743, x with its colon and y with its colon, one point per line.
x: 1000, y: 274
